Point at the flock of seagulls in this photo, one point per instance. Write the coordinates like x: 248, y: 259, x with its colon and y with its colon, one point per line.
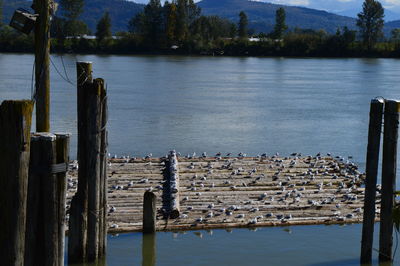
x: 276, y: 187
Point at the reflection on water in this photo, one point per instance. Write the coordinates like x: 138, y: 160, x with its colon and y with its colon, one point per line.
x: 294, y: 245
x: 149, y: 250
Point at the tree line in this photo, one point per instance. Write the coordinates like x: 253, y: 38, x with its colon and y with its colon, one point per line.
x: 178, y: 26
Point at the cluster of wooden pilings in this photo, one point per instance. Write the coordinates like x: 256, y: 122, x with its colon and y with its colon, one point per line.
x: 33, y: 175
x: 33, y: 181
x: 387, y: 110
x: 87, y: 214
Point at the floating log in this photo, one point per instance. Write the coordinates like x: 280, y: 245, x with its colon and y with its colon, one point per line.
x: 15, y: 127
x: 173, y: 182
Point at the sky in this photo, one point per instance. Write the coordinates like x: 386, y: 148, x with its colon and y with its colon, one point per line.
x: 342, y: 7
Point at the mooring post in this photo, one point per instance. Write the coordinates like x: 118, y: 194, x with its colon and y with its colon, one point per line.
x: 389, y: 165
x: 78, y: 222
x: 42, y: 230
x: 15, y: 127
x: 149, y: 249
x: 103, y: 169
x: 149, y: 213
x: 374, y: 140
x: 42, y: 65
x: 87, y: 215
x: 45, y: 229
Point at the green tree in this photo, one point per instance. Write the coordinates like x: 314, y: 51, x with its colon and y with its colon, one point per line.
x: 170, y: 14
x: 370, y: 22
x: 187, y: 13
x: 149, y: 24
x: 395, y: 35
x: 243, y: 25
x: 280, y: 23
x: 103, y: 29
x: 72, y: 10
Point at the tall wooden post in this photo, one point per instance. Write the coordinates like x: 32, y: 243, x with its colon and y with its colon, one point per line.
x: 374, y: 140
x: 42, y: 65
x: 103, y: 169
x: 15, y: 126
x: 62, y: 149
x: 78, y: 222
x: 389, y: 164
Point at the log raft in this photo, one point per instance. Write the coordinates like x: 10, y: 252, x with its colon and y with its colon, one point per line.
x: 215, y: 192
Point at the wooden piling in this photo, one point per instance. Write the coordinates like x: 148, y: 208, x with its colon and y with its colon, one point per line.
x: 149, y: 250
x: 389, y: 165
x: 62, y: 149
x: 41, y: 232
x: 173, y: 181
x: 103, y: 169
x: 42, y: 65
x: 93, y: 170
x: 78, y: 222
x: 15, y: 126
x: 374, y: 140
x: 149, y: 213
x: 45, y: 229
x: 87, y: 218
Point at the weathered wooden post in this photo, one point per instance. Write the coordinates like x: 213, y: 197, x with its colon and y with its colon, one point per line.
x: 149, y: 213
x: 103, y: 170
x: 45, y: 229
x: 149, y: 250
x: 15, y: 126
x: 42, y: 65
x: 62, y: 149
x: 374, y: 140
x: 389, y: 164
x: 77, y: 240
x: 87, y: 214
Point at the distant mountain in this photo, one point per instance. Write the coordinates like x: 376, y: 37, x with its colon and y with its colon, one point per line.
x: 121, y: 11
x: 262, y: 15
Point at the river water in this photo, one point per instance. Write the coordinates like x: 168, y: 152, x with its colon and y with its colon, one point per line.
x: 225, y: 104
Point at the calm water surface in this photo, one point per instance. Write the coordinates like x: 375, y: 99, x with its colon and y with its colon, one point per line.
x: 227, y: 104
